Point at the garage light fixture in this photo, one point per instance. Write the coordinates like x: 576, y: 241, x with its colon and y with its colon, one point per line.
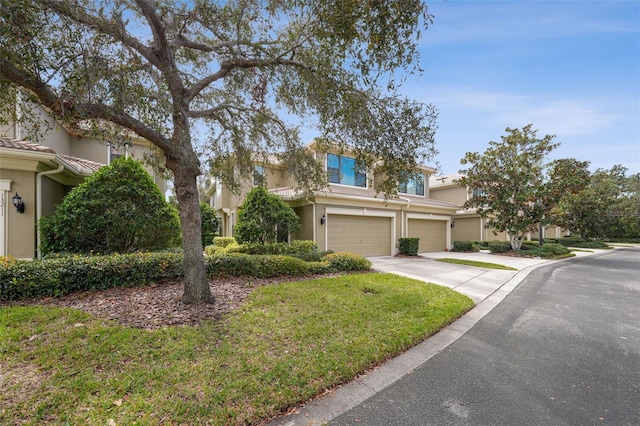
x: 17, y: 201
x: 453, y: 223
x: 323, y: 219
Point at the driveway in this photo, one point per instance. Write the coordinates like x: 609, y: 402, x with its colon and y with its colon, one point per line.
x: 477, y: 283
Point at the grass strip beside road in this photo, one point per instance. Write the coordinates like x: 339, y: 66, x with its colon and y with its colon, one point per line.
x: 287, y: 343
x: 487, y: 265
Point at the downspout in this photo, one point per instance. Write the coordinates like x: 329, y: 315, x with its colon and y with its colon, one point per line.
x: 39, y: 203
x: 402, y: 215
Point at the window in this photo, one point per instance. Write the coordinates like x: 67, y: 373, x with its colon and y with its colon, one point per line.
x: 478, y: 192
x: 413, y: 186
x: 258, y: 176
x: 345, y: 171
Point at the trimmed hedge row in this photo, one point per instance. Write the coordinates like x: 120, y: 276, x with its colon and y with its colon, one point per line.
x: 23, y: 279
x: 464, y: 246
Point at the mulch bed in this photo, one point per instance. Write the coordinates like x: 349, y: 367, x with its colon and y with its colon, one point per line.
x: 160, y: 304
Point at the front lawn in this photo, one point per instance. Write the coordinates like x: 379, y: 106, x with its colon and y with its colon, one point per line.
x: 287, y: 343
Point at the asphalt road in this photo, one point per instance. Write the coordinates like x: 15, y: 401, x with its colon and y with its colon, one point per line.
x: 562, y: 349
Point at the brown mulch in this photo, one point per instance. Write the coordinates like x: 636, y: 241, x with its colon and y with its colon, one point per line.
x: 159, y: 304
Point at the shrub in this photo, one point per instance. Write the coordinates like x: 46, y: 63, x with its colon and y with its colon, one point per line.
x: 302, y: 249
x: 580, y: 243
x: 409, y: 246
x: 464, y: 246
x: 260, y: 266
x: 499, y: 246
x: 118, y: 209
x: 264, y: 218
x: 209, y: 225
x: 342, y: 261
x: 224, y: 241
x: 63, y: 275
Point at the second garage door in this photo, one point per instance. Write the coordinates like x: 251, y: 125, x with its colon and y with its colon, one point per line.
x: 365, y: 235
x: 432, y: 234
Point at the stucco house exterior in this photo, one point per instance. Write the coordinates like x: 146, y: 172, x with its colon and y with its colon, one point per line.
x: 348, y: 215
x: 41, y: 174
x: 468, y: 225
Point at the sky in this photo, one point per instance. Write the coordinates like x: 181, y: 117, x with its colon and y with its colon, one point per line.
x: 570, y: 68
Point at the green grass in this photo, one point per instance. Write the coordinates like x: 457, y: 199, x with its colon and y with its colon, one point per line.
x: 286, y: 344
x: 476, y: 263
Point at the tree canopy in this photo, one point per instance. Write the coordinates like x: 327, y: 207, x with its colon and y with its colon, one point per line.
x: 507, y: 182
x: 118, y: 209
x: 220, y: 78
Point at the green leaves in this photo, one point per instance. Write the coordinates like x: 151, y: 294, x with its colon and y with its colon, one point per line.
x: 509, y: 181
x: 118, y: 209
x: 264, y: 218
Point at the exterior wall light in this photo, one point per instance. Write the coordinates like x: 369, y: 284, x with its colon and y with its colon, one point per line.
x: 17, y: 201
x: 323, y: 219
x: 453, y: 223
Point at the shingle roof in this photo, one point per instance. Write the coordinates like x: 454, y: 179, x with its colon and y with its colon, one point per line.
x: 294, y: 194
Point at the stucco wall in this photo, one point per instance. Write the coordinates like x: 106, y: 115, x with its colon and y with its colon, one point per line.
x: 21, y: 236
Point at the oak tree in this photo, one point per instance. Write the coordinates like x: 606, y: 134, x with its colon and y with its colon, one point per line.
x: 222, y: 79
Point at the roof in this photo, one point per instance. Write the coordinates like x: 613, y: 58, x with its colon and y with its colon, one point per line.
x: 447, y: 180
x: 75, y: 164
x: 24, y: 145
x: 290, y: 193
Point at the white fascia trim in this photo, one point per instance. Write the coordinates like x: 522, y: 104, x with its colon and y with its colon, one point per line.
x: 427, y: 216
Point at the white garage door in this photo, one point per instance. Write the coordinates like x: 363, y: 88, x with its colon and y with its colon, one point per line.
x: 365, y: 235
x: 432, y: 234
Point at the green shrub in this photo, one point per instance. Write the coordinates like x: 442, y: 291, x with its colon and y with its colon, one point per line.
x: 580, y: 243
x: 409, y: 246
x: 224, y: 241
x: 302, y: 249
x: 464, y: 246
x: 264, y: 218
x: 63, y: 275
x: 342, y: 261
x: 260, y: 266
x: 118, y: 209
x: 499, y: 246
x: 209, y: 224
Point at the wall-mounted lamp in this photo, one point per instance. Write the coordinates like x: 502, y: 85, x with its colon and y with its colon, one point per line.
x: 17, y: 201
x: 323, y: 219
x: 453, y: 223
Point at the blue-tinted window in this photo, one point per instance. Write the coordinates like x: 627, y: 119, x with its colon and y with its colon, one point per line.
x: 413, y: 186
x: 345, y: 171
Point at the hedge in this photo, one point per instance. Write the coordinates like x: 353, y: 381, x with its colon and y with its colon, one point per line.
x: 464, y: 246
x: 499, y: 246
x: 409, y: 246
x: 23, y: 279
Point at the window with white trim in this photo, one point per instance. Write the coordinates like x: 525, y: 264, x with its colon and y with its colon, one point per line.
x: 345, y: 171
x: 413, y: 186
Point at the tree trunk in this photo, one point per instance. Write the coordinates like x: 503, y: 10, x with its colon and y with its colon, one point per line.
x: 196, y: 282
x: 516, y: 242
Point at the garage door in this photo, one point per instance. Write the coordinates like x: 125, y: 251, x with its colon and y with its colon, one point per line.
x: 365, y: 235
x: 432, y: 234
x: 467, y: 229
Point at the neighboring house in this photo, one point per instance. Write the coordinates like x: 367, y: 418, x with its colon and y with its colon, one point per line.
x: 348, y: 215
x: 468, y: 225
x: 41, y: 174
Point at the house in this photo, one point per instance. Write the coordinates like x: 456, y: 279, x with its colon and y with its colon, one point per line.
x: 468, y: 225
x: 348, y: 215
x: 35, y: 177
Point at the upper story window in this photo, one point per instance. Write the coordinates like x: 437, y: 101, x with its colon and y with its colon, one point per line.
x: 258, y: 176
x: 413, y: 186
x: 478, y: 192
x: 345, y: 171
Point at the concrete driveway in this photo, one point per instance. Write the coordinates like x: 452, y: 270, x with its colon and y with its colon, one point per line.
x: 477, y: 283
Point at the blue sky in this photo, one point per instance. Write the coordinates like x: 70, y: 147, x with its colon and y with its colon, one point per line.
x: 571, y: 68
